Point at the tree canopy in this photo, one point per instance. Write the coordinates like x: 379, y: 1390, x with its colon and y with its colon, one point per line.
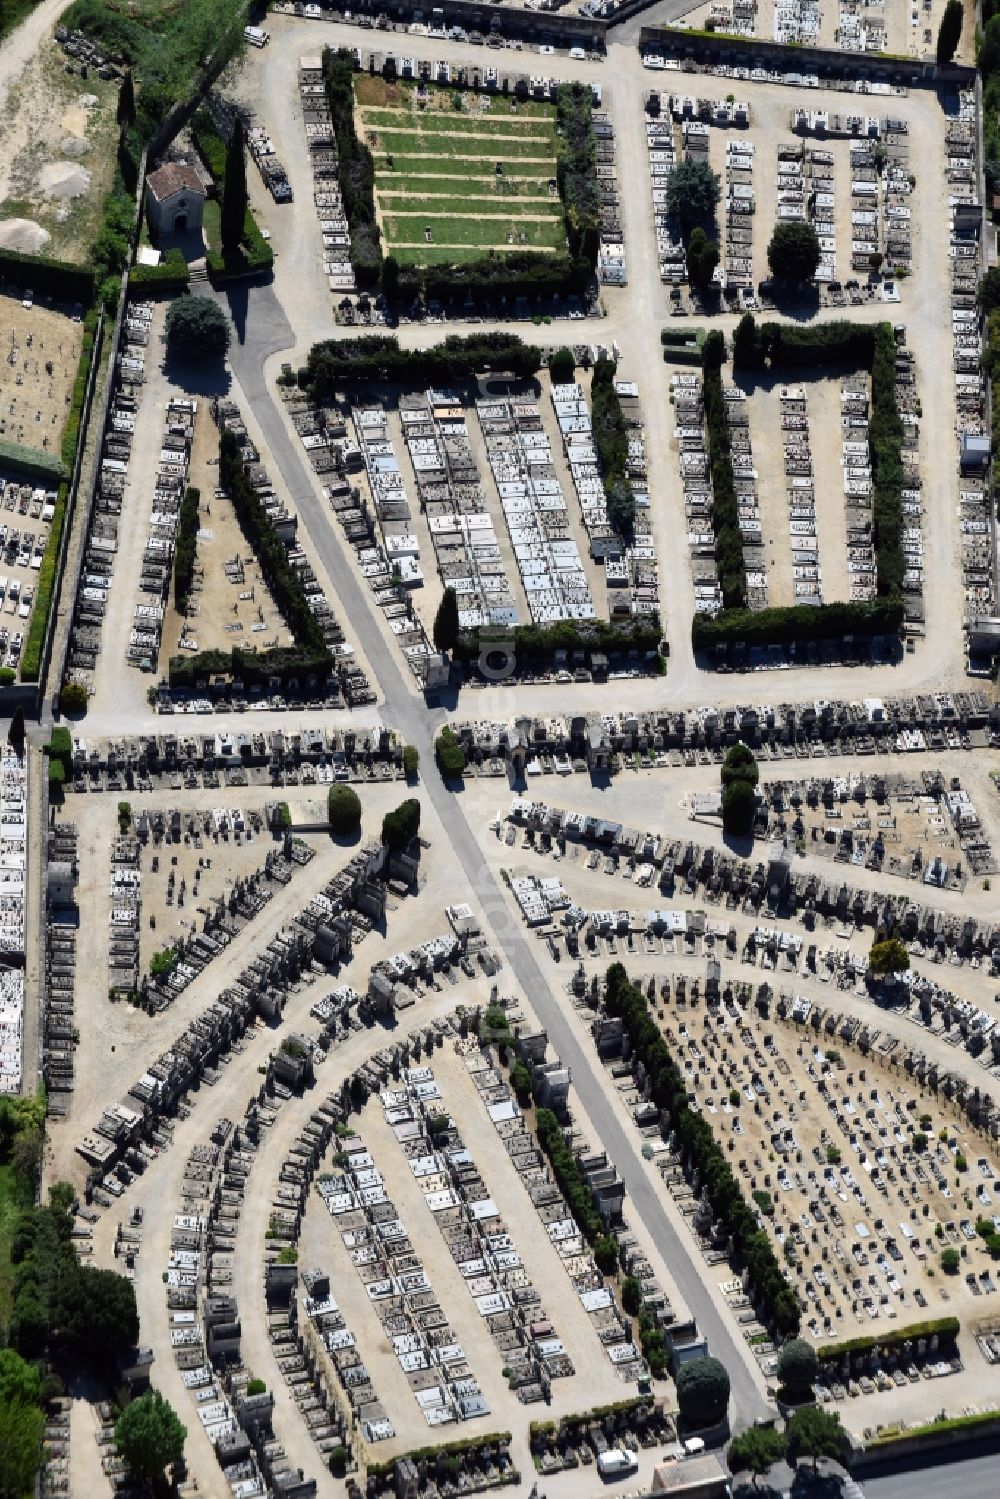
x: 197, y: 327
x: 150, y: 1436
x: 702, y: 258
x: 739, y: 801
x: 561, y: 366
x: 755, y: 1450
x: 702, y: 1391
x: 22, y: 1425
x: 888, y: 957
x: 793, y: 253
x: 798, y: 1367
x: 814, y: 1432
x: 343, y: 810
x: 446, y: 621
x: 402, y: 825
x: 693, y: 192
x: 234, y: 189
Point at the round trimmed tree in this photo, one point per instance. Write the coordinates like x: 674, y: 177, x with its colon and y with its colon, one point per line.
x: 197, y: 328
x: 794, y: 253
x: 703, y: 1391
x: 798, y: 1368
x: 343, y: 810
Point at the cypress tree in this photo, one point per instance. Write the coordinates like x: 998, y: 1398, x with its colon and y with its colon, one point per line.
x: 234, y: 190
x: 446, y: 621
x: 125, y: 113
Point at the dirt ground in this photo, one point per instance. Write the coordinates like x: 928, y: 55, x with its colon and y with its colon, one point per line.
x: 221, y: 600
x: 57, y: 154
x: 33, y: 401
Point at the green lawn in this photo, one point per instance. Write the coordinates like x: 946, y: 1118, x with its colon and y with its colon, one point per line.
x: 415, y: 143
x: 456, y: 124
x: 475, y: 185
x: 407, y: 166
x: 477, y: 235
x: 443, y: 175
x: 486, y: 206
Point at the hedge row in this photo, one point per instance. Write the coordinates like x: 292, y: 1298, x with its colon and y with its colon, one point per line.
x: 268, y: 548
x: 780, y: 346
x: 379, y: 358
x: 355, y: 168
x: 725, y: 510
x: 251, y: 667
x: 31, y: 659
x: 797, y: 622
x: 44, y: 274
x: 33, y: 463
x: 515, y: 273
x: 611, y: 445
x: 71, y: 427
x: 171, y: 275
x: 576, y: 172
x: 540, y: 642
x: 576, y: 1190
x: 702, y: 1154
x: 946, y: 1328
x: 186, y: 549
x: 885, y: 437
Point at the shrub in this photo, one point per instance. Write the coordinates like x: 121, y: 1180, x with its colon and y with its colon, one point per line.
x: 798, y: 1367
x: 693, y: 192
x: 343, y: 810
x: 888, y: 958
x: 400, y: 827
x: 449, y: 754
x: 702, y: 1391
x: 256, y: 1387
x: 631, y: 1296
x: 73, y: 698
x: 411, y: 760
x: 562, y: 366
x: 794, y: 252
x: 197, y: 328
x: 186, y: 548
x: 950, y: 1261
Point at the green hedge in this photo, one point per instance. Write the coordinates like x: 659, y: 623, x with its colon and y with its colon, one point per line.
x: 71, y: 427
x: 355, y: 166
x: 946, y: 1328
x: 703, y: 1154
x: 611, y: 445
x: 252, y: 667
x: 170, y: 275
x: 33, y: 463
x: 268, y: 548
x: 797, y: 622
x: 933, y: 1428
x: 576, y: 172
x: 44, y: 274
x: 186, y: 549
x: 725, y: 510
x: 540, y: 642
x: 31, y: 659
x: 377, y: 357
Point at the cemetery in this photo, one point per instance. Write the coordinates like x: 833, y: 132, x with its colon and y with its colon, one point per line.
x: 459, y: 174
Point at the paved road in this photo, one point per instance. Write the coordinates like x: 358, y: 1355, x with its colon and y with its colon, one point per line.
x: 267, y: 330
x: 264, y: 331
